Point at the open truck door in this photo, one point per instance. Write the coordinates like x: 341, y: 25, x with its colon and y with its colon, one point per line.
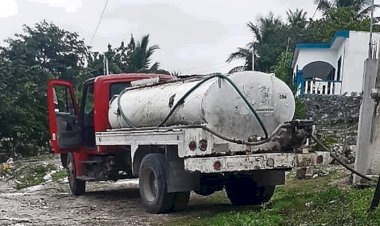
x: 63, y: 117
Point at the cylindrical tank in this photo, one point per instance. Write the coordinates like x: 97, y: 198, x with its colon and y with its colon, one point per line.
x: 215, y: 104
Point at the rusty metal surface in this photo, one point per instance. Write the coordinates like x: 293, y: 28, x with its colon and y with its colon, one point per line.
x: 250, y: 162
x: 287, y: 139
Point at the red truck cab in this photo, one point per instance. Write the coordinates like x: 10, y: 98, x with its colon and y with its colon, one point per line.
x: 73, y: 126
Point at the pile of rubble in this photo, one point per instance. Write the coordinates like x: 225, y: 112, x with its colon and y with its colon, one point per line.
x: 332, y: 109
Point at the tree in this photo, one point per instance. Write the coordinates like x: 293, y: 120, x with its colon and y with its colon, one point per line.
x: 241, y: 54
x: 134, y: 57
x: 336, y: 19
x: 297, y: 18
x: 31, y: 58
x: 271, y: 39
x: 140, y: 57
x: 283, y: 67
x: 360, y: 7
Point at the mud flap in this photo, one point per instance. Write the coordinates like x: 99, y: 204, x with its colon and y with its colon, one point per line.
x: 178, y: 180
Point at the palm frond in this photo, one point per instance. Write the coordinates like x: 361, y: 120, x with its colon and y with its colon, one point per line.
x: 155, y: 67
x: 367, y: 10
x: 241, y: 53
x: 323, y: 5
x: 237, y: 69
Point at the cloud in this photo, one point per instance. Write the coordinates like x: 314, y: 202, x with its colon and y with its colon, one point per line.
x: 195, y: 36
x: 70, y: 6
x: 8, y: 8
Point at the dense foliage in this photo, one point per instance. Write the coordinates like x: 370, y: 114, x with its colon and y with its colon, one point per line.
x: 41, y: 53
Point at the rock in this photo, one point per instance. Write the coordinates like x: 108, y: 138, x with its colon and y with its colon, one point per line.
x: 47, y: 177
x: 301, y: 173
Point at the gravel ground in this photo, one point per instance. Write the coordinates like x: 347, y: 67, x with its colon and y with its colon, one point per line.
x: 104, y: 203
x: 51, y: 204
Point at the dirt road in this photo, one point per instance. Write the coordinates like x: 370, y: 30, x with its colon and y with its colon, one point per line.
x: 51, y: 204
x: 105, y: 203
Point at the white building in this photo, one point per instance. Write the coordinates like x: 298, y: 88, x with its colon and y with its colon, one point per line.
x: 332, y: 68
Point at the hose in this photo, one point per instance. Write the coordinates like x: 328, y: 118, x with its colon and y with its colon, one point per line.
x: 182, y: 100
x: 122, y: 112
x: 334, y: 156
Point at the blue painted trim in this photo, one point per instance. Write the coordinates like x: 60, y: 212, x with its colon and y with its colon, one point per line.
x: 323, y: 45
x: 299, y: 82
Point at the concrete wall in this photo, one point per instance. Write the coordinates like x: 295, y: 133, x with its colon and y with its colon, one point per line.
x: 356, y: 52
x: 367, y: 156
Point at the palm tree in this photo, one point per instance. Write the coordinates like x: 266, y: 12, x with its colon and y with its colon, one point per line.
x: 297, y: 18
x: 139, y: 56
x: 361, y: 7
x: 134, y: 57
x: 241, y: 54
x: 269, y: 30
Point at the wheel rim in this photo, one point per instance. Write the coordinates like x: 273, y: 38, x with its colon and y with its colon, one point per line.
x: 150, y: 185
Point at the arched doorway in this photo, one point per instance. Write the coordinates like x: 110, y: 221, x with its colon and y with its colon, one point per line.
x: 318, y: 77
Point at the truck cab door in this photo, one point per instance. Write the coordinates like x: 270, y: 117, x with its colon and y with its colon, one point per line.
x: 63, y: 117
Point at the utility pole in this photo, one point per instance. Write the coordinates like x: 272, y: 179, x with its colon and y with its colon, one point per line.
x: 371, y: 31
x: 253, y: 57
x: 107, y: 69
x: 253, y: 54
x: 105, y: 66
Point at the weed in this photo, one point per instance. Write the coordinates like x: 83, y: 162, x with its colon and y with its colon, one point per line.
x: 59, y: 176
x: 299, y: 202
x: 30, y: 174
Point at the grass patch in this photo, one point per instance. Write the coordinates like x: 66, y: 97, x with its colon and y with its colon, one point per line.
x: 30, y: 174
x: 320, y: 201
x: 59, y: 176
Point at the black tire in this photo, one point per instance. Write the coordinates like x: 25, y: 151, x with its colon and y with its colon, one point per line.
x: 181, y: 199
x: 244, y: 191
x: 206, y: 190
x: 153, y: 187
x: 64, y: 160
x: 77, y: 187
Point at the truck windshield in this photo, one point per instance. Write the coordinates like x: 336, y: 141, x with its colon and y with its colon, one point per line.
x: 116, y: 88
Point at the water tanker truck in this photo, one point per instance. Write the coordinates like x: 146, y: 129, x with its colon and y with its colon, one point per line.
x: 200, y: 134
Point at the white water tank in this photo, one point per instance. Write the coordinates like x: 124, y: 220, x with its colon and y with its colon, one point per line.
x: 215, y: 104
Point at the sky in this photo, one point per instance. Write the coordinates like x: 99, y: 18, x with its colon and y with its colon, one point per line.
x: 195, y: 36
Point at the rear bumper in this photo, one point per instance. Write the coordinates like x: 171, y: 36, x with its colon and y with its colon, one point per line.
x: 239, y: 163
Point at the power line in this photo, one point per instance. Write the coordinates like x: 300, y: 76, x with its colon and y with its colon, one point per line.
x: 100, y: 20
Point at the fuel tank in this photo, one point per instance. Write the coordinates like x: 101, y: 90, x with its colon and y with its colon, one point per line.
x: 215, y: 104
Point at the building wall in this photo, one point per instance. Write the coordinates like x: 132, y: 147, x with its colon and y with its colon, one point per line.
x: 307, y: 56
x: 356, y: 54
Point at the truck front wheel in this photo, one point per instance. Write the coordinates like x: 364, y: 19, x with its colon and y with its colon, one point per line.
x: 77, y: 187
x: 152, y: 182
x: 245, y: 191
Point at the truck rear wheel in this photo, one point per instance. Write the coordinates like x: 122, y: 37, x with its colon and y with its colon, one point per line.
x: 77, y: 187
x: 153, y: 187
x: 244, y: 191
